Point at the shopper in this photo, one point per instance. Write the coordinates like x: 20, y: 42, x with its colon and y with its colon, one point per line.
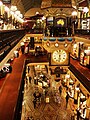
x: 67, y: 98
x: 28, y: 69
x: 34, y: 103
x: 22, y: 49
x: 10, y: 69
x: 30, y: 79
x: 60, y: 90
x: 78, y: 114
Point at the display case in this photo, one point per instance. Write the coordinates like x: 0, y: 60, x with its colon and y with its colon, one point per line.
x: 85, y: 58
x: 76, y: 49
x: 85, y: 24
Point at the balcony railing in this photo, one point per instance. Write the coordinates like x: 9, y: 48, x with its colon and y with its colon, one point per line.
x: 8, y: 39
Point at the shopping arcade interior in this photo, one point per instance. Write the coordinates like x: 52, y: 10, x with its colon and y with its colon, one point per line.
x: 84, y: 60
x: 30, y: 51
x: 59, y: 71
x: 49, y: 100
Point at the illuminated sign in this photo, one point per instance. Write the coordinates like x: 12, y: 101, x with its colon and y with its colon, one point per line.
x: 60, y: 22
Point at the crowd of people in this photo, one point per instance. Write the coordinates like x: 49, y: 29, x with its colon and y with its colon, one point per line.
x: 37, y: 95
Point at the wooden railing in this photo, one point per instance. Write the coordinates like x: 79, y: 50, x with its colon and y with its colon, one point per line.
x: 8, y: 39
x: 80, y: 77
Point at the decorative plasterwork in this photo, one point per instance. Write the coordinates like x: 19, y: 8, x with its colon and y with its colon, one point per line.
x: 19, y: 5
x: 46, y: 4
x: 26, y: 5
x: 61, y: 3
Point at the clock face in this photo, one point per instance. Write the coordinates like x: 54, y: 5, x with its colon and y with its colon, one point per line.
x: 59, y: 56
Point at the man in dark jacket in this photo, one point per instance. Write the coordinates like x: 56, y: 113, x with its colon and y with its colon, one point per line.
x: 60, y: 90
x: 67, y: 98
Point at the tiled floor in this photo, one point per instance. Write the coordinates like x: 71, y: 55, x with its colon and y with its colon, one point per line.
x: 54, y: 110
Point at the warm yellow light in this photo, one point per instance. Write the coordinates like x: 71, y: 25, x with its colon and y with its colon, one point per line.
x: 37, y: 13
x: 12, y: 13
x: 6, y: 9
x: 74, y: 13
x: 85, y: 9
x: 67, y: 76
x: 20, y: 15
x: 60, y: 22
x: 17, y: 12
x: 43, y: 18
x: 1, y: 3
x: 13, y: 8
x: 2, y: 8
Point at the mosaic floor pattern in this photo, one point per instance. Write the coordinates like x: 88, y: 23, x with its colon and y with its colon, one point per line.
x: 55, y: 109
x: 44, y: 111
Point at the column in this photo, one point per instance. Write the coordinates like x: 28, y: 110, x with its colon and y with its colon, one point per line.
x: 79, y: 20
x: 88, y: 107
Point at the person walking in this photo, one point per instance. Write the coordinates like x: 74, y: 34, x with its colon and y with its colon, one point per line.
x: 67, y: 98
x: 30, y: 79
x: 60, y: 90
x: 78, y: 114
x: 34, y: 102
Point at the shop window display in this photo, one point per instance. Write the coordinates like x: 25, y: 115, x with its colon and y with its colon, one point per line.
x: 81, y: 52
x: 85, y: 58
x: 79, y: 99
x: 82, y: 107
x: 76, y: 49
x: 41, y: 78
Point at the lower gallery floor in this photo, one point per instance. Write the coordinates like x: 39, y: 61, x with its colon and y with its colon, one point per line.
x: 44, y: 100
x: 52, y: 109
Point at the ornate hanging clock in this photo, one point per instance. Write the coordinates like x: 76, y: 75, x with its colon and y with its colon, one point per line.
x: 60, y: 57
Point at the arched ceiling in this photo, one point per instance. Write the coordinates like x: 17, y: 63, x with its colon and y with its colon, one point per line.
x: 46, y: 7
x: 25, y: 5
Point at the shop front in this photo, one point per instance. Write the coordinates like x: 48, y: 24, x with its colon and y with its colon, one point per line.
x: 75, y: 91
x: 85, y: 57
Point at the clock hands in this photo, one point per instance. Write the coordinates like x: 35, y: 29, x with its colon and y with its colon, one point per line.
x: 59, y: 56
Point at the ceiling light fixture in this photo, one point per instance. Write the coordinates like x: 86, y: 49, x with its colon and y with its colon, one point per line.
x: 74, y: 13
x: 85, y: 9
x: 56, y: 44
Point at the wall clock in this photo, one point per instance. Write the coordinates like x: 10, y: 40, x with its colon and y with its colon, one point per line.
x: 59, y: 56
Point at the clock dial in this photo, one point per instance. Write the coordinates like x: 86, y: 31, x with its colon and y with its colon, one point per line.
x: 59, y: 56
